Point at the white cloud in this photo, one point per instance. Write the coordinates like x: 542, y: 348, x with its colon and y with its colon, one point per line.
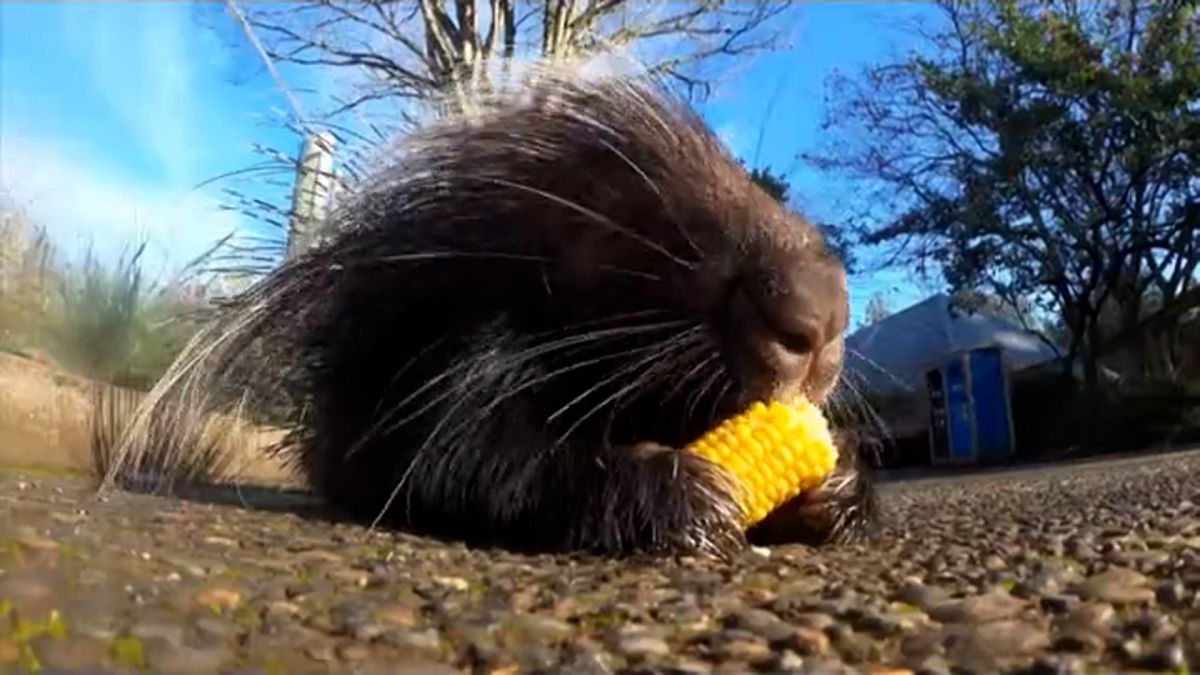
x: 83, y: 201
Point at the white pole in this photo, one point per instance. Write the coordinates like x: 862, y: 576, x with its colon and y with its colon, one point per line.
x: 312, y: 192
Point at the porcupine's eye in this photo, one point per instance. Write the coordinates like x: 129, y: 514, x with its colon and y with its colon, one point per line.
x: 787, y: 313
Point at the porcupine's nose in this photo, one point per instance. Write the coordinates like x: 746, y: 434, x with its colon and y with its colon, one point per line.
x: 791, y: 311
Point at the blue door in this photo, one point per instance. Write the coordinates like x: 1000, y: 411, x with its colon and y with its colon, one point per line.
x: 992, y: 427
x: 958, y: 410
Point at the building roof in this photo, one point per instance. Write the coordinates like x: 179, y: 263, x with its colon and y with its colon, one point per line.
x: 893, y: 354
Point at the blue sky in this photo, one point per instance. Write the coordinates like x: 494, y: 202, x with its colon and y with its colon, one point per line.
x: 112, y: 112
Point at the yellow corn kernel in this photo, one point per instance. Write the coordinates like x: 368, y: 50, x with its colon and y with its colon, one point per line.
x: 774, y: 451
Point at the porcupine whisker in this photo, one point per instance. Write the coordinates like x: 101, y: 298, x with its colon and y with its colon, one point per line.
x: 677, y: 352
x: 687, y: 348
x: 857, y: 404
x: 637, y: 383
x: 540, y: 350
x: 485, y: 255
x: 448, y: 457
x: 839, y: 402
x: 412, y: 464
x: 633, y: 350
x: 720, y: 395
x: 709, y: 382
x: 877, y: 366
x: 176, y: 408
x: 687, y: 325
x: 864, y: 404
x: 651, y: 377
x: 649, y: 108
x: 512, y: 361
x: 614, y: 397
x: 842, y: 397
x: 418, y: 457
x: 657, y: 191
x: 408, y: 364
x: 703, y: 353
x: 687, y: 379
x: 693, y: 396
x: 848, y: 401
x: 483, y: 412
x: 594, y: 216
x: 620, y: 373
x: 177, y: 373
x: 631, y: 367
x: 705, y: 378
x: 605, y: 320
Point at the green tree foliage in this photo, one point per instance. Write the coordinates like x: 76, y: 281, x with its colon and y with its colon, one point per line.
x: 776, y: 186
x: 780, y: 189
x: 1043, y: 151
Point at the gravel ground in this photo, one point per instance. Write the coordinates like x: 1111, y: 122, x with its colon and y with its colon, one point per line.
x: 1061, y: 570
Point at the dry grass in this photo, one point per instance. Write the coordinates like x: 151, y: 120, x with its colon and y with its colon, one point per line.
x: 79, y: 343
x: 100, y: 319
x: 49, y: 419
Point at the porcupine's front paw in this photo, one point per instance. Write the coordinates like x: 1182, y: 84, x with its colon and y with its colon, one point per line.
x: 659, y: 500
x: 842, y: 509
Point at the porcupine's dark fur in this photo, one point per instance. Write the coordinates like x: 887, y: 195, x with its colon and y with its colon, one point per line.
x: 522, y: 318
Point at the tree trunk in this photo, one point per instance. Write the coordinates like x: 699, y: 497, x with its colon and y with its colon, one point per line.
x: 1091, y: 356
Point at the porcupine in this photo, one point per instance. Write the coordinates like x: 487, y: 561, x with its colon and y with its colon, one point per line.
x: 521, y: 320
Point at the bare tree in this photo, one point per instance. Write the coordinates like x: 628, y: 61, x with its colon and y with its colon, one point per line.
x: 411, y: 51
x: 397, y: 60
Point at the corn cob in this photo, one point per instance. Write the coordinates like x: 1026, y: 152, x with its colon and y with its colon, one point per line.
x: 773, y: 450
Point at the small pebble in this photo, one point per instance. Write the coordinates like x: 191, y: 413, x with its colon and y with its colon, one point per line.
x: 788, y: 661
x: 186, y: 660
x: 760, y: 622
x: 453, y: 583
x: 539, y: 628
x: 219, y: 598
x: 747, y: 649
x: 354, y: 651
x: 1119, y: 586
x: 171, y: 633
x: 214, y: 627
x: 73, y: 653
x: 1167, y: 658
x: 1044, y: 582
x: 323, y: 652
x: 856, y: 649
x: 993, y: 606
x: 814, y: 621
x: 808, y: 642
x: 1058, y: 604
x: 222, y: 542
x: 421, y: 641
x: 642, y: 646
x: 1172, y: 594
x: 1152, y: 627
x: 992, y: 645
x: 397, y: 615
